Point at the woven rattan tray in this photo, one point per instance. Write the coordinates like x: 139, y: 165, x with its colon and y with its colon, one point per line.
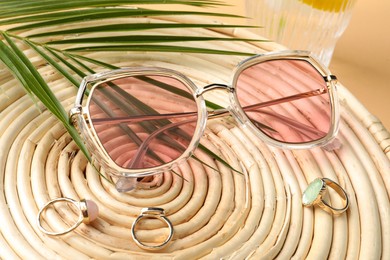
x: 215, y: 214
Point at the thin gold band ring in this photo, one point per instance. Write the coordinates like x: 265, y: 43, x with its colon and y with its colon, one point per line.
x: 317, y: 189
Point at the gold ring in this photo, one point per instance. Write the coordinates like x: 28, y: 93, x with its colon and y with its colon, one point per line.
x: 316, y: 190
x: 157, y: 213
x: 88, y: 212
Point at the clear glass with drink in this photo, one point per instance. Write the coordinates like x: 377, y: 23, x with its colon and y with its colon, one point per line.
x: 313, y: 25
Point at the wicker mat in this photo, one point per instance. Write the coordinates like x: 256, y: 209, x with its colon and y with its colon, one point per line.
x: 216, y: 214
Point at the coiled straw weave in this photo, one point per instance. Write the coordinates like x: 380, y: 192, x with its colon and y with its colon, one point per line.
x: 216, y: 214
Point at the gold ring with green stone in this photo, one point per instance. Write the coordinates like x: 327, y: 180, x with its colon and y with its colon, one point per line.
x: 317, y: 190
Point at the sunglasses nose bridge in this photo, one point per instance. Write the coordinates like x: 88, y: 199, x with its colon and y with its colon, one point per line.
x: 231, y: 109
x: 214, y: 86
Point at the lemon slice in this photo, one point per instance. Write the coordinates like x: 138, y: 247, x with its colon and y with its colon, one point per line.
x: 327, y: 5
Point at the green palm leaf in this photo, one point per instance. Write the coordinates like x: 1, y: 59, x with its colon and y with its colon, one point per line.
x: 127, y: 27
x: 22, y: 8
x: 66, y: 17
x: 29, y: 25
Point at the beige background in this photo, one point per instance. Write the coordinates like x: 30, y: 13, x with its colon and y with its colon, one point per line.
x: 362, y: 56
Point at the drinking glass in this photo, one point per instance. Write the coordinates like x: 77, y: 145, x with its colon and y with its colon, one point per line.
x: 313, y: 25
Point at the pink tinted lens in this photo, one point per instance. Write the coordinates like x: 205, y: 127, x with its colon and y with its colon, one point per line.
x: 288, y: 100
x: 143, y: 121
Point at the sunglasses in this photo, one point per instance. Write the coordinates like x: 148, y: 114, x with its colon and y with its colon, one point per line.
x: 143, y: 121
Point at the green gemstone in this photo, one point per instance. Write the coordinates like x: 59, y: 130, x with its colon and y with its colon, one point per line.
x: 312, y: 191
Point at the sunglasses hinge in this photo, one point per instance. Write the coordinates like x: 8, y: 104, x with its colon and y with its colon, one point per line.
x: 331, y: 78
x: 73, y: 112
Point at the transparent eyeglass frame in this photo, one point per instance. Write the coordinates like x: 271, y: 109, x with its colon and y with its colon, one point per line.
x: 81, y: 118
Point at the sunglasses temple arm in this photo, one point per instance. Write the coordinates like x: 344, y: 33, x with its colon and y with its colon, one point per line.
x: 212, y: 114
x: 308, y: 94
x: 141, y: 118
x: 223, y: 112
x: 305, y: 130
x: 333, y: 145
x: 143, y: 148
